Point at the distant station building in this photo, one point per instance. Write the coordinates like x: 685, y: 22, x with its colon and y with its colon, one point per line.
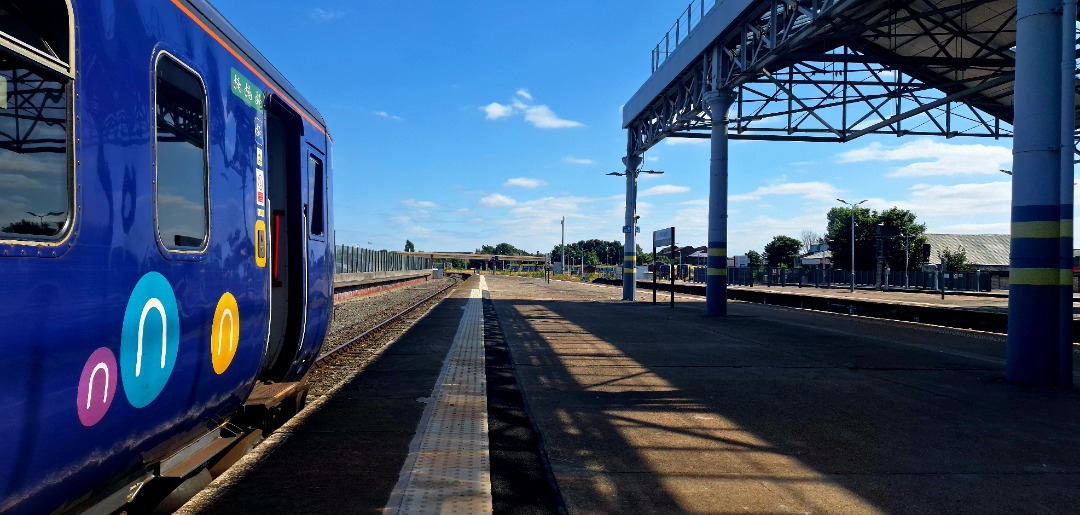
x: 686, y: 255
x: 816, y: 259
x: 819, y: 255
x: 989, y: 252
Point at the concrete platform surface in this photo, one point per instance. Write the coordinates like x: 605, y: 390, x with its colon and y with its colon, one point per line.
x: 648, y: 409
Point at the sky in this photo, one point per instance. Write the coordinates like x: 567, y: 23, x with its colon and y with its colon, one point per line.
x: 462, y: 124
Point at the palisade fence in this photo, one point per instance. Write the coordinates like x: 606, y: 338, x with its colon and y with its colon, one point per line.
x: 973, y: 280
x: 349, y: 259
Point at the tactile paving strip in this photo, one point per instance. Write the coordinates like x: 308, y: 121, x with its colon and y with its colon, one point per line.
x: 448, y: 468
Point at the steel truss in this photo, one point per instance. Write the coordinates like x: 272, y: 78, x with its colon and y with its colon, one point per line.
x: 835, y: 70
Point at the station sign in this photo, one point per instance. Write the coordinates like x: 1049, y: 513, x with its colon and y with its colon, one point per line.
x: 663, y: 237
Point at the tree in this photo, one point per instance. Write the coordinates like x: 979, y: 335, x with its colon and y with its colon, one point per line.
x: 502, y: 249
x: 892, y: 221
x: 409, y: 247
x: 954, y: 260
x: 755, y: 259
x: 809, y: 239
x: 782, y: 250
x: 605, y: 252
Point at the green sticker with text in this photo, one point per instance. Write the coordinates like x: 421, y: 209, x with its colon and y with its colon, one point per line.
x: 3, y: 92
x: 246, y: 90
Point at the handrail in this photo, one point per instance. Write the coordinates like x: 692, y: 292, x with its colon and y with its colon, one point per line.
x: 680, y: 30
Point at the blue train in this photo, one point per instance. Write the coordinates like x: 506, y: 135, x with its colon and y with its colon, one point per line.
x: 166, y: 249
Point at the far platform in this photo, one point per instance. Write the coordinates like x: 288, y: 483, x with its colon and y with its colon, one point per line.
x: 649, y: 409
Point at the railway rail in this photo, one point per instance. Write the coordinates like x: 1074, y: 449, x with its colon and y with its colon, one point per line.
x: 362, y: 327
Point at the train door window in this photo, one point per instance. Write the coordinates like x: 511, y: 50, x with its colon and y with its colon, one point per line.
x: 182, y: 178
x: 316, y: 196
x: 36, y: 201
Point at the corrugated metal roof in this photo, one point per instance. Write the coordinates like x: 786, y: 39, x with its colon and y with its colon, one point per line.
x: 983, y: 250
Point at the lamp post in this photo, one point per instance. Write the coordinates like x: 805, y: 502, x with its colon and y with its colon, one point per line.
x: 630, y: 227
x: 562, y: 244
x: 842, y: 201
x: 906, y: 248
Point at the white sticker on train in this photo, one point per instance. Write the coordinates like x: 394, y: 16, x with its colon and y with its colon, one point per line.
x: 260, y: 187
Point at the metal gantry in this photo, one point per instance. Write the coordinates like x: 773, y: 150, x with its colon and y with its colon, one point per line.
x: 834, y: 70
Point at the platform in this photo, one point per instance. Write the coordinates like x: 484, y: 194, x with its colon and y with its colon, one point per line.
x: 649, y: 409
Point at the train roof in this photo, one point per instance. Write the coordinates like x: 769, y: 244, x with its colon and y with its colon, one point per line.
x: 215, y: 21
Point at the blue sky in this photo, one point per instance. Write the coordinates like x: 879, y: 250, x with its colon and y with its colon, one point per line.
x: 459, y: 124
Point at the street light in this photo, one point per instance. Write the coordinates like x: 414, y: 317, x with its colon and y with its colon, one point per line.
x: 905, y: 260
x: 842, y: 201
x: 630, y: 226
x: 41, y: 218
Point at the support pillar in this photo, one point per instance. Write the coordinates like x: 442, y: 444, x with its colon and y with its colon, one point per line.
x: 1068, y: 127
x: 1037, y: 277
x: 718, y: 103
x: 629, y: 283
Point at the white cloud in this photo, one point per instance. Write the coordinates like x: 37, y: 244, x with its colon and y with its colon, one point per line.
x: 952, y: 202
x: 933, y: 158
x: 543, y: 117
x: 821, y: 191
x: 536, y: 222
x: 418, y: 204
x: 663, y: 189
x: 539, y: 115
x: 320, y: 14
x: 497, y: 200
x: 496, y: 110
x: 754, y: 233
x: 525, y: 182
x: 388, y: 116
x: 578, y: 161
x: 673, y: 141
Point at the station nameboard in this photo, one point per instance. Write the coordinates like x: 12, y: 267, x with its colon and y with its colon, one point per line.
x: 663, y: 237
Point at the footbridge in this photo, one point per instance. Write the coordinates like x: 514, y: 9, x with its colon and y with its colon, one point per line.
x: 835, y: 70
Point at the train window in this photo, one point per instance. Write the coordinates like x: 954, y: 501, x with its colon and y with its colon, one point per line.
x: 316, y: 189
x: 35, y: 147
x: 37, y: 28
x: 182, y: 203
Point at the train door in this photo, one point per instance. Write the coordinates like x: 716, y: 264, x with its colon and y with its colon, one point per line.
x: 318, y: 257
x: 285, y: 195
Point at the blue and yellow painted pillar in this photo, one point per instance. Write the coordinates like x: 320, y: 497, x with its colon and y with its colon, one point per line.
x: 718, y: 103
x: 629, y: 283
x: 1040, y: 273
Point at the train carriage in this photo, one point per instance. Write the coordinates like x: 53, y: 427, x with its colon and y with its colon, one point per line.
x: 165, y: 247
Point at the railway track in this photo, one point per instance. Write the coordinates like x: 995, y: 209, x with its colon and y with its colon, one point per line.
x: 362, y: 328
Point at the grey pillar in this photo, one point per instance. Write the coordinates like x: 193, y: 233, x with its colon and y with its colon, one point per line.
x: 718, y: 103
x: 629, y: 283
x: 1036, y: 275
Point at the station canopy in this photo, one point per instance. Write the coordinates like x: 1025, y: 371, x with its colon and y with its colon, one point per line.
x: 831, y: 70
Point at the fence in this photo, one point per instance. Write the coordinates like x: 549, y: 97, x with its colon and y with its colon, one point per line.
x: 829, y: 278
x: 349, y: 259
